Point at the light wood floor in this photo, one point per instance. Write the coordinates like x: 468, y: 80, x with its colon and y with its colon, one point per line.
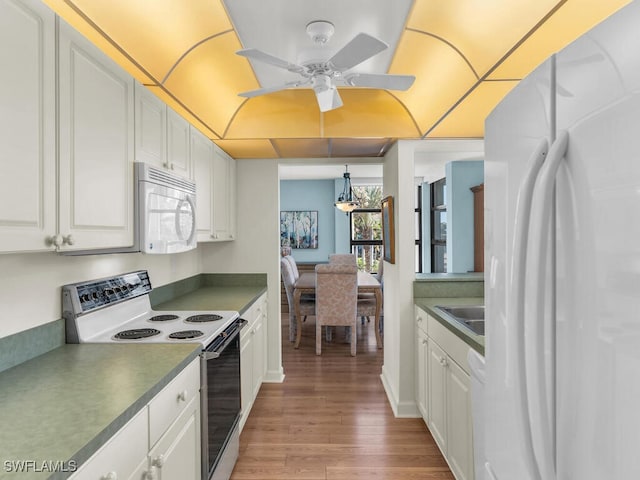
x: 330, y: 420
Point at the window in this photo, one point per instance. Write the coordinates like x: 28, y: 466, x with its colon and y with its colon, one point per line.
x: 366, y: 227
x: 438, y: 226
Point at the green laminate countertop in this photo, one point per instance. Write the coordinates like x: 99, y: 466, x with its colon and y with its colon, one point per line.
x: 450, y: 277
x: 207, y: 297
x: 62, y: 406
x: 427, y: 304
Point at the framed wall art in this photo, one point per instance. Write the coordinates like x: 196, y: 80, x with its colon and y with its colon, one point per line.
x: 388, y: 241
x: 299, y: 229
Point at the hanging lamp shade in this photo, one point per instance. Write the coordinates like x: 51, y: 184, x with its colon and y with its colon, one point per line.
x: 346, y: 202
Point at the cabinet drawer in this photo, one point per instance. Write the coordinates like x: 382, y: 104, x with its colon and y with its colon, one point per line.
x: 122, y: 454
x: 455, y: 347
x: 172, y: 400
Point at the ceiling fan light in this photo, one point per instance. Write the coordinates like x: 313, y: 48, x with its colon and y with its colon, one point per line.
x: 320, y: 31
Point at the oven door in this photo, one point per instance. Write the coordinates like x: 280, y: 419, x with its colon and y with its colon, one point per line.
x: 167, y: 219
x: 220, y: 412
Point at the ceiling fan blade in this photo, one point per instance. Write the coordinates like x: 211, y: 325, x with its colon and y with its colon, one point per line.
x: 359, y: 49
x: 255, y: 54
x: 328, y: 99
x: 382, y: 80
x: 263, y: 91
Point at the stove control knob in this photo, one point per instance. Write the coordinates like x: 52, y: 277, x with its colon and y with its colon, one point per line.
x: 85, y: 297
x: 108, y: 291
x: 94, y: 295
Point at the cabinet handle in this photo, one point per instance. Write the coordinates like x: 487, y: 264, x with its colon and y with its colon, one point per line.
x: 182, y: 396
x: 424, y: 341
x: 158, y: 461
x: 68, y: 240
x: 443, y: 361
x: 110, y: 476
x: 150, y: 474
x: 53, y: 240
x: 166, y: 165
x: 418, y: 319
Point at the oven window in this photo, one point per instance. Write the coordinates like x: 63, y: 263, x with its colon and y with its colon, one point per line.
x: 223, y: 402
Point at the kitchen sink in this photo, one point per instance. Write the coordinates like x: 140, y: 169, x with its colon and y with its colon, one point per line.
x: 469, y: 316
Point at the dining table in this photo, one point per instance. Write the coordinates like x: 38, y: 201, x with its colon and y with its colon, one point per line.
x: 306, y: 284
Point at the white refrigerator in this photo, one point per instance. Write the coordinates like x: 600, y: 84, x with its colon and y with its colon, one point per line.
x: 561, y: 399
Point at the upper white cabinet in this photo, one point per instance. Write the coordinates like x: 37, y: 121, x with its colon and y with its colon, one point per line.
x: 96, y: 146
x: 202, y: 161
x: 162, y: 136
x: 27, y: 123
x: 224, y: 196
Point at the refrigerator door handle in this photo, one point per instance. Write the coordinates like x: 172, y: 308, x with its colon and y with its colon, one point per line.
x: 515, y: 364
x: 536, y: 381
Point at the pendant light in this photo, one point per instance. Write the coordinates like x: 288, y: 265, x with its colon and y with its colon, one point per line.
x: 346, y: 202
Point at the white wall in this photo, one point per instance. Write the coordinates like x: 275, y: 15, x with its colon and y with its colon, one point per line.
x: 30, y: 284
x: 257, y: 245
x: 398, y: 369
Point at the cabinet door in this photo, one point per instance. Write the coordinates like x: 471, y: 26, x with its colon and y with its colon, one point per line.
x: 437, y: 400
x: 96, y: 146
x: 232, y: 199
x: 202, y: 161
x: 223, y: 196
x: 177, y: 453
x: 27, y: 125
x: 178, y: 134
x: 258, y: 355
x: 422, y: 387
x: 459, y: 423
x: 151, y: 128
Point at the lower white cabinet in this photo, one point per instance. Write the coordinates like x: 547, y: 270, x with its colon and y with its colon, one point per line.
x: 161, y: 442
x: 443, y: 392
x: 253, y: 354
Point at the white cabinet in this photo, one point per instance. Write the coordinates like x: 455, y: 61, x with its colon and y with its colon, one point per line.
x: 421, y: 371
x: 443, y: 393
x: 96, y: 147
x: 162, y: 136
x: 27, y: 123
x: 253, y: 354
x: 224, y: 196
x: 202, y: 160
x: 161, y: 442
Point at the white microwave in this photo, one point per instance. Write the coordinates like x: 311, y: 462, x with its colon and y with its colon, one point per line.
x: 166, y: 211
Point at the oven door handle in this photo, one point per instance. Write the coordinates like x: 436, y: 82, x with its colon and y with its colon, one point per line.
x: 207, y: 355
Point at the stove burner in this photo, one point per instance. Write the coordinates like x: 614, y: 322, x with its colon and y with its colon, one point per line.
x: 207, y: 317
x: 163, y: 318
x: 136, y: 333
x: 185, y: 334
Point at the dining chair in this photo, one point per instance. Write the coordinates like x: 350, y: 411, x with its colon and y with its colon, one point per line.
x: 307, y: 305
x: 336, y: 300
x: 343, y: 258
x: 294, y: 266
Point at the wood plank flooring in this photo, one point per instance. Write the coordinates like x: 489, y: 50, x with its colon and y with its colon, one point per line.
x: 330, y: 420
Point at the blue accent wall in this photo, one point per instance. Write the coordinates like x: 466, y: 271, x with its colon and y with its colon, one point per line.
x: 461, y: 176
x: 313, y: 195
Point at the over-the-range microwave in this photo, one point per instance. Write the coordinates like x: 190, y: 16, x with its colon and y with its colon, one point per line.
x: 164, y: 214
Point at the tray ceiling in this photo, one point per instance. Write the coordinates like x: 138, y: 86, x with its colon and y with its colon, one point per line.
x: 466, y: 55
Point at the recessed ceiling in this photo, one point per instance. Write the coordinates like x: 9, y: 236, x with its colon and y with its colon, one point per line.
x: 466, y: 55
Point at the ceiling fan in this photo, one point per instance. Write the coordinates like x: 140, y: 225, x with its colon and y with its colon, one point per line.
x: 323, y: 75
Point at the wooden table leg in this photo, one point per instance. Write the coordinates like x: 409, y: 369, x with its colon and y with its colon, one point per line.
x: 378, y: 293
x: 296, y: 301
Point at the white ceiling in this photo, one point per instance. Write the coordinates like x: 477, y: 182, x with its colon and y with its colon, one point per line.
x: 278, y: 27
